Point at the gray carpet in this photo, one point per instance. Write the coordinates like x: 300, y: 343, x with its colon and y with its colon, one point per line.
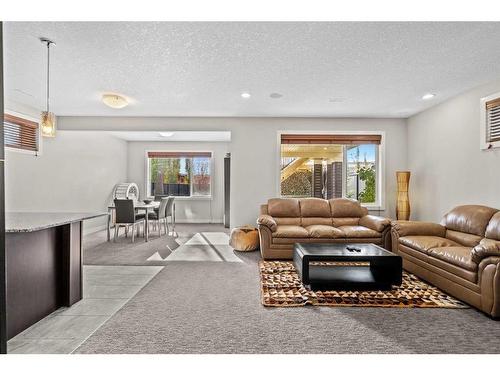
x: 214, y: 307
x: 98, y: 251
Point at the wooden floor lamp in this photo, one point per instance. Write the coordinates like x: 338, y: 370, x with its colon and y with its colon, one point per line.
x: 403, y: 203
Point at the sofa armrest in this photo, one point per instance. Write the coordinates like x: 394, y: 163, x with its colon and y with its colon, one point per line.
x: 417, y: 228
x: 376, y: 223
x: 267, y: 221
x: 486, y: 248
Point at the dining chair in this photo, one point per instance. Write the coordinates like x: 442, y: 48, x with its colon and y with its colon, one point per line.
x: 126, y: 217
x: 158, y: 216
x: 170, y: 212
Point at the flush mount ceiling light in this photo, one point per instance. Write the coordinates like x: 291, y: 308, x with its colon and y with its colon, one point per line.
x: 428, y: 96
x: 166, y: 134
x: 245, y: 95
x: 114, y: 101
x: 47, y: 118
x: 276, y: 95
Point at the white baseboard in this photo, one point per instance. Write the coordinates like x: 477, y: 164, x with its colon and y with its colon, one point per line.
x: 89, y: 230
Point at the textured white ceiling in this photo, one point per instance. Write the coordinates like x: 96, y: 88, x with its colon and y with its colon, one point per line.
x: 200, y: 69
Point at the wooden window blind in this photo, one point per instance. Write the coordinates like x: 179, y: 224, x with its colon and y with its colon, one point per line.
x: 493, y: 120
x: 20, y: 133
x: 178, y: 154
x: 354, y: 139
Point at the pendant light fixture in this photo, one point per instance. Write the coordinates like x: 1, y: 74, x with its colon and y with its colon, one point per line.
x: 48, y: 119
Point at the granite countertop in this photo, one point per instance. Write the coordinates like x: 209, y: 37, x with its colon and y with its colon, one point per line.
x: 16, y: 222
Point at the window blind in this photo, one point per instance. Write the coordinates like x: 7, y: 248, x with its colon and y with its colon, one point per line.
x: 179, y: 154
x: 354, y: 139
x: 20, y: 133
x: 493, y: 120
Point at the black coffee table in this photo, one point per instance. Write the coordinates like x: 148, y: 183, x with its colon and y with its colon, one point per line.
x: 382, y: 268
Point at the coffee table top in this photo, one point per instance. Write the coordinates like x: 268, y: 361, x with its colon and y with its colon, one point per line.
x: 329, y: 250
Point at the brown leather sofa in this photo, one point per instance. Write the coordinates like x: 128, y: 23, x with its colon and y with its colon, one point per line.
x: 461, y: 255
x: 285, y: 221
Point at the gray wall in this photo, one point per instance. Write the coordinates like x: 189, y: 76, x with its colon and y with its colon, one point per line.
x: 254, y: 149
x: 190, y: 210
x: 448, y: 168
x: 76, y: 172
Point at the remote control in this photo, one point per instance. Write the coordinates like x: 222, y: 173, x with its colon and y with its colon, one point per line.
x: 353, y: 248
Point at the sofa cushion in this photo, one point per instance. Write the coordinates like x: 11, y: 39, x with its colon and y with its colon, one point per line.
x: 465, y: 239
x: 471, y: 219
x: 293, y: 231
x: 343, y: 207
x: 307, y: 221
x: 358, y: 231
x: 340, y: 221
x: 493, y: 228
x: 324, y: 231
x: 315, y: 211
x: 443, y: 268
x: 314, y: 207
x: 283, y: 207
x: 425, y: 243
x: 459, y: 256
x: 288, y: 220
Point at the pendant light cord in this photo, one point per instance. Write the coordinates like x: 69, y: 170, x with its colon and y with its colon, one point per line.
x: 48, y: 74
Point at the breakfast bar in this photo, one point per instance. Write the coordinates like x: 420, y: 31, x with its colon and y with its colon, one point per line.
x: 44, y: 264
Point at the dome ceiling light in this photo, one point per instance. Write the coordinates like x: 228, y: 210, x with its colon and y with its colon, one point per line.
x: 114, y: 101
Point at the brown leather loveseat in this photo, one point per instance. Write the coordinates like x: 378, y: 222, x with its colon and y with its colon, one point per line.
x: 461, y: 255
x: 285, y: 221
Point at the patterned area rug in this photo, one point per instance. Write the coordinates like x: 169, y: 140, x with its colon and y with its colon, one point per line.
x: 281, y: 287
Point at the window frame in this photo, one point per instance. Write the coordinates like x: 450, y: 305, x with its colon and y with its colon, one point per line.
x: 39, y: 142
x: 380, y: 191
x: 147, y: 183
x: 484, y: 144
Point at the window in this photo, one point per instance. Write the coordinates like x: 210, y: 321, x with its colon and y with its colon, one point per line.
x: 331, y: 166
x: 183, y: 174
x: 490, y: 121
x: 20, y: 133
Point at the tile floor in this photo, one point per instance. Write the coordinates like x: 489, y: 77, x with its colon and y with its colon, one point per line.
x: 106, y: 290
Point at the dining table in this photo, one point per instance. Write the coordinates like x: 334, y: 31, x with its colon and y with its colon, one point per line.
x: 138, y: 206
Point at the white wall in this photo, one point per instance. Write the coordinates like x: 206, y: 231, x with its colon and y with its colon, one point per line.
x: 76, y: 172
x: 187, y: 209
x: 254, y: 149
x: 448, y: 168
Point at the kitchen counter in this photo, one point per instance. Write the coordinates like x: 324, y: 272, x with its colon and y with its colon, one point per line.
x: 44, y: 264
x: 16, y: 222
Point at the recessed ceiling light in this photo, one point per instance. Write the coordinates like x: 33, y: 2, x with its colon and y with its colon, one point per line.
x: 428, y: 96
x: 276, y: 95
x: 336, y: 100
x: 245, y: 95
x: 166, y: 134
x: 114, y: 100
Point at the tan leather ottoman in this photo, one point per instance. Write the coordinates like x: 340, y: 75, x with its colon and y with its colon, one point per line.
x: 244, y: 238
